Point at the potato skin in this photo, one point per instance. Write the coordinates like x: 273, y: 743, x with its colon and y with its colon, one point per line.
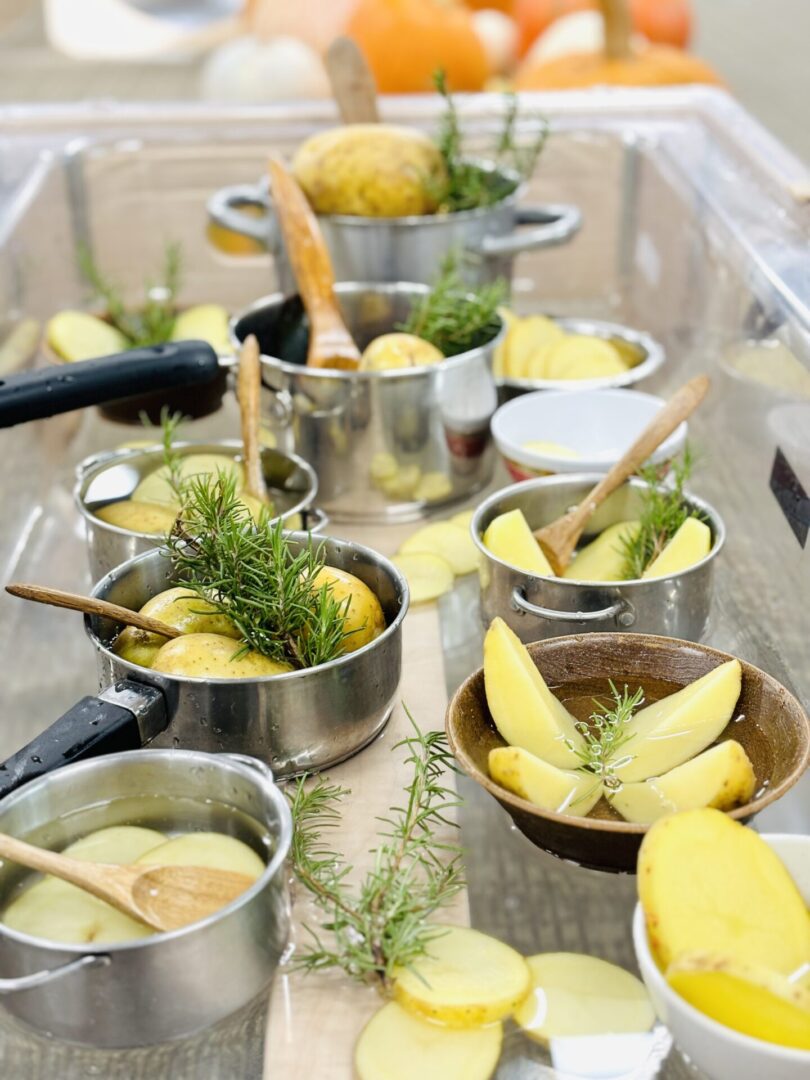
x: 152, y: 518
x: 177, y: 607
x: 370, y: 170
x: 211, y: 656
x: 365, y: 619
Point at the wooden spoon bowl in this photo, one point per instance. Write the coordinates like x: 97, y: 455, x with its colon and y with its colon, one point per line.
x: 768, y: 722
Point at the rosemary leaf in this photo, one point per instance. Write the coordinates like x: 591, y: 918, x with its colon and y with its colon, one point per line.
x: 605, y: 734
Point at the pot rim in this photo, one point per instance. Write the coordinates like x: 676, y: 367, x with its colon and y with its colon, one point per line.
x: 571, y: 479
x: 608, y: 825
x: 288, y: 676
x: 411, y: 288
x: 94, y: 465
x: 275, y: 865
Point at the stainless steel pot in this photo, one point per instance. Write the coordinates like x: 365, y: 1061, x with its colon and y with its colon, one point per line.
x: 301, y: 721
x: 544, y: 607
x: 409, y: 248
x: 170, y: 985
x: 113, y: 476
x: 430, y: 424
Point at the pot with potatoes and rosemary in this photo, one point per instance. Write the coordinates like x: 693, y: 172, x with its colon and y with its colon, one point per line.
x: 393, y: 202
x: 279, y: 645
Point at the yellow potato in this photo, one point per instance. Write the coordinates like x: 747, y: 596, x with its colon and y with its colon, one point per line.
x: 524, y: 710
x: 603, y: 559
x: 722, y: 777
x: 509, y: 538
x: 205, y: 322
x: 541, y: 446
x: 177, y: 607
x: 433, y: 487
x: 383, y: 467
x: 560, y: 791
x: 403, y: 483
x: 463, y: 519
x: 574, y: 995
x: 708, y: 884
x: 75, y: 335
x: 578, y: 356
x: 451, y: 542
x: 213, y: 850
x: 118, y: 844
x: 371, y: 170
x: 525, y: 337
x: 676, y: 728
x: 466, y: 979
x: 391, y: 351
x: 150, y: 518
x: 365, y: 619
x: 212, y: 656
x: 753, y: 1000
x: 155, y: 488
x: 429, y: 576
x: 396, y: 1045
x: 691, y: 543
x: 537, y: 364
x: 499, y: 362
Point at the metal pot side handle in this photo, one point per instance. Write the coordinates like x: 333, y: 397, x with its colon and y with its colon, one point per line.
x: 49, y: 975
x: 621, y: 611
x: 224, y: 208
x: 554, y: 223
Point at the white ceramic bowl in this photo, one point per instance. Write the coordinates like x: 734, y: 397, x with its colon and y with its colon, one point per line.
x: 599, y: 425
x: 718, y: 1050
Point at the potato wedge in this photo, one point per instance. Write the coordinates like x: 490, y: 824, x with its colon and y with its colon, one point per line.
x: 509, y: 538
x: 466, y: 979
x: 75, y: 335
x: 428, y: 576
x: 753, y: 1000
x: 690, y: 544
x: 396, y: 1045
x: 561, y: 791
x: 575, y: 995
x: 603, y: 559
x: 708, y: 884
x: 449, y: 541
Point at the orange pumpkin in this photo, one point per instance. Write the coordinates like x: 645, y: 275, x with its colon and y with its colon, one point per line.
x: 535, y: 16
x: 666, y: 22
x: 505, y: 6
x: 406, y: 41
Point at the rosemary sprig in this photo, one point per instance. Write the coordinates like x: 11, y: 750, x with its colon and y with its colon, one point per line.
x: 605, y: 733
x: 453, y: 316
x: 663, y: 512
x: 170, y: 425
x: 382, y: 922
x: 248, y: 570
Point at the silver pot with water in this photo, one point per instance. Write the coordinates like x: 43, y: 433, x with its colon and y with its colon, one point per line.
x: 544, y: 607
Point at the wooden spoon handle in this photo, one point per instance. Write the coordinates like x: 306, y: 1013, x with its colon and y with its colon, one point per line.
x: 353, y: 86
x: 91, y: 606
x: 330, y: 343
x: 680, y: 406
x: 248, y: 389
x: 618, y: 28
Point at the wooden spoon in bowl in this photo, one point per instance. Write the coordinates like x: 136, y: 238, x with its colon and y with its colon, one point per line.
x: 90, y: 605
x: 248, y: 390
x: 163, y: 897
x: 353, y: 86
x: 330, y: 343
x: 559, y: 539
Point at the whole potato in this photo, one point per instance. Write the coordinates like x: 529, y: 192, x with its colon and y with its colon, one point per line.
x: 365, y: 620
x: 370, y: 170
x: 399, y: 351
x: 213, y: 656
x: 152, y: 518
x: 180, y: 608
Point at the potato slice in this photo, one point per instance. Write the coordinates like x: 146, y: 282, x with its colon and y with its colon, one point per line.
x: 603, y: 559
x: 365, y: 619
x: 213, y: 850
x: 499, y: 365
x: 524, y: 338
x: 722, y: 777
x: 465, y: 979
x: 383, y: 467
x: 75, y: 335
x: 155, y: 488
x: 561, y: 791
x: 576, y: 995
x: 678, y: 727
x: 213, y: 656
x: 204, y: 322
x: 537, y: 364
x: 428, y: 576
x: 579, y: 356
x: 525, y: 711
x: 554, y: 449
x: 463, y: 519
x: 433, y: 487
x: 140, y: 517
x: 509, y: 538
x: 403, y: 483
x: 749, y: 999
x: 396, y: 1045
x: 690, y: 544
x: 709, y: 884
x: 118, y: 844
x: 449, y: 541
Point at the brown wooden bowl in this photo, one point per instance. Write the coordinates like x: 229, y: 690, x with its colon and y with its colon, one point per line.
x: 768, y: 722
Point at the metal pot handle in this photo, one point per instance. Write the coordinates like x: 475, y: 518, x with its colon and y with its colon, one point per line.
x: 224, y: 208
x: 555, y: 224
x: 620, y: 610
x: 49, y: 975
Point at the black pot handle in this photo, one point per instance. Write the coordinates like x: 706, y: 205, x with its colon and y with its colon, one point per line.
x: 123, y: 717
x: 32, y: 395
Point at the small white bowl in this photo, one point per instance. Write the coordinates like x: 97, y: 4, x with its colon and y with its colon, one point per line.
x: 599, y: 425
x: 718, y: 1050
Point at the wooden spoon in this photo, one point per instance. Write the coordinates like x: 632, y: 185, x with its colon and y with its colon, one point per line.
x: 559, y: 539
x: 248, y: 389
x: 163, y: 897
x: 90, y: 606
x: 330, y: 343
x: 353, y: 86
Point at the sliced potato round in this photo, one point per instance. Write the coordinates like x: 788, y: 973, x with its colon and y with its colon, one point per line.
x: 466, y: 979
x: 395, y: 1045
x: 453, y: 543
x: 572, y: 994
x: 580, y: 356
x: 433, y: 487
x: 463, y: 519
x: 213, y: 850
x: 118, y: 844
x: 428, y: 576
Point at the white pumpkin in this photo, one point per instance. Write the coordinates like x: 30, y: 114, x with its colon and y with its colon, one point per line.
x: 582, y: 31
x: 499, y: 36
x: 252, y: 70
